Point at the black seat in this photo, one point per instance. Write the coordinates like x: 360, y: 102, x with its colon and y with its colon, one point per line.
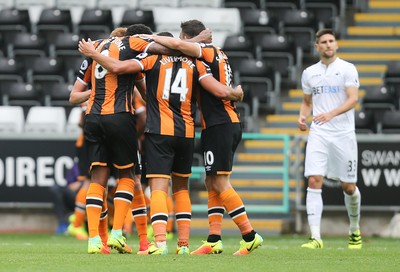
x: 258, y: 21
x: 96, y: 22
x: 54, y: 20
x: 391, y: 122
x: 238, y: 46
x: 280, y: 51
x: 392, y: 80
x: 45, y: 70
x: 63, y: 44
x: 326, y: 13
x: 25, y: 46
x: 15, y: 20
x: 364, y: 122
x: 56, y: 93
x: 20, y: 94
x: 254, y: 4
x: 10, y: 70
x: 138, y: 16
x: 300, y: 27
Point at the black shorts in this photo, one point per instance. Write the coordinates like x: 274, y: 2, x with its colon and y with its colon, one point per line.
x: 111, y: 140
x: 218, y: 145
x: 168, y: 154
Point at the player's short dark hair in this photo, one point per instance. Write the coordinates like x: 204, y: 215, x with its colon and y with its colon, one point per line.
x: 322, y: 32
x: 138, y: 29
x: 165, y: 33
x: 192, y: 28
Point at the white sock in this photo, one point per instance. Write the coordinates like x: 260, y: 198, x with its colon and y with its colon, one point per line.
x: 353, y: 203
x: 160, y: 244
x: 314, y: 207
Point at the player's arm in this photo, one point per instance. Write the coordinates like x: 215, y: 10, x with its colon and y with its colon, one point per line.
x: 79, y: 93
x: 112, y: 65
x: 156, y: 48
x: 210, y: 84
x: 204, y: 37
x: 305, y: 110
x: 187, y: 48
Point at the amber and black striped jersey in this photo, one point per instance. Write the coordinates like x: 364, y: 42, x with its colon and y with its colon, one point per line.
x: 111, y: 93
x: 170, y: 83
x: 215, y: 111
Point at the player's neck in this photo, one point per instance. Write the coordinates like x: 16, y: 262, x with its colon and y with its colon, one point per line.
x: 328, y: 61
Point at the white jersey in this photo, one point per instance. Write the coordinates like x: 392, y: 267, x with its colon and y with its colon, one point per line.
x: 327, y: 85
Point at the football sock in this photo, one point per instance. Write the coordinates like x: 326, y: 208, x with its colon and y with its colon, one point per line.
x: 103, y: 226
x: 353, y: 203
x: 139, y: 214
x: 159, y: 215
x: 183, y: 214
x: 94, y: 203
x: 80, y: 207
x: 171, y: 214
x: 314, y: 207
x: 122, y: 201
x: 234, y: 205
x: 215, y: 215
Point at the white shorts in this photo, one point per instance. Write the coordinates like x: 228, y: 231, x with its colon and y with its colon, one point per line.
x: 334, y: 157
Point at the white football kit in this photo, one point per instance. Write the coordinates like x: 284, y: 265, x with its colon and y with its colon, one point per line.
x: 331, y: 147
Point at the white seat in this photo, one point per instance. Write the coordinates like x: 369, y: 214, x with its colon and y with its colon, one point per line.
x: 11, y: 119
x: 217, y: 19
x: 202, y: 3
x: 149, y: 4
x: 77, y: 7
x: 45, y: 120
x: 73, y: 121
x: 117, y: 8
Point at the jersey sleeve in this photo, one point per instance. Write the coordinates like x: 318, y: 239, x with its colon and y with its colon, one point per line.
x: 351, y: 77
x: 203, y: 69
x: 305, y: 83
x: 85, y: 71
x: 139, y: 44
x: 207, y: 52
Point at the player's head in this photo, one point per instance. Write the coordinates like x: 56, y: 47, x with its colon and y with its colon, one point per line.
x: 165, y: 33
x: 190, y: 29
x: 138, y: 29
x: 118, y: 32
x: 325, y: 43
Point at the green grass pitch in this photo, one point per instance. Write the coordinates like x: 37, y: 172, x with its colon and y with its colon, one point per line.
x: 41, y: 252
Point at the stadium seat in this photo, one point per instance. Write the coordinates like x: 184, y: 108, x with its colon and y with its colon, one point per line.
x: 54, y: 20
x: 149, y: 4
x: 96, y: 22
x: 73, y: 121
x: 138, y: 16
x: 240, y: 4
x: 280, y: 51
x: 45, y: 120
x: 34, y: 8
x: 15, y: 20
x: 300, y: 27
x: 76, y: 7
x: 201, y: 3
x: 238, y: 46
x: 326, y: 13
x: 55, y: 93
x: 45, y: 70
x: 10, y: 70
x: 117, y: 8
x: 258, y: 21
x: 20, y: 94
x: 391, y: 122
x: 11, y: 119
x: 364, y: 122
x: 25, y: 46
x: 392, y: 80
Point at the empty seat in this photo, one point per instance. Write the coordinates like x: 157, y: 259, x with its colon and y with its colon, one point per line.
x: 138, y: 16
x: 364, y: 122
x: 391, y: 122
x: 56, y: 93
x: 15, y: 20
x: 96, y: 22
x: 10, y: 70
x: 45, y: 120
x: 279, y: 51
x: 11, y: 119
x: 25, y: 46
x: 258, y: 21
x: 73, y: 121
x: 201, y: 3
x: 20, y: 94
x: 54, y: 20
x: 326, y: 13
x: 238, y: 46
x: 149, y: 4
x: 63, y: 44
x: 46, y: 69
x: 254, y: 4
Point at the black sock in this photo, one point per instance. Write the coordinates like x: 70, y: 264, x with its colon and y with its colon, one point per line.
x: 212, y: 238
x: 249, y: 236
